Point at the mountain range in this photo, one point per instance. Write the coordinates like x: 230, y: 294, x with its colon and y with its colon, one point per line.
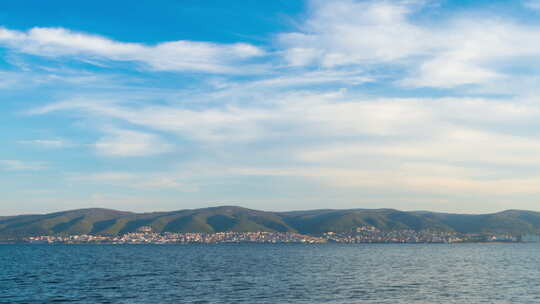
x: 232, y: 218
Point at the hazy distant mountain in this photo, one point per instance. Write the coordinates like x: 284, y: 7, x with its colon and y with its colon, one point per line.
x: 230, y: 218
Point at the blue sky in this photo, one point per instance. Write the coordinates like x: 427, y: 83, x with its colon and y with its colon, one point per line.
x: 275, y: 105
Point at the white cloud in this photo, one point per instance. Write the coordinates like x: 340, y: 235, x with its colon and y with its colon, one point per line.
x: 371, y: 35
x: 313, y: 116
x: 146, y: 180
x: 284, y: 115
x: 456, y: 51
x: 449, y: 71
x: 47, y: 143
x: 408, y: 178
x: 131, y: 143
x: 18, y: 165
x: 457, y: 148
x: 352, y: 141
x: 297, y: 79
x: 474, y: 148
x: 229, y: 124
x: 351, y: 32
x: 166, y: 56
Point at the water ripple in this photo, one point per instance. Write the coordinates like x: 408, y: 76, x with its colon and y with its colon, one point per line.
x: 259, y: 273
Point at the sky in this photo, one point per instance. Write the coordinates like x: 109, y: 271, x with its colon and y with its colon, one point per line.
x: 273, y: 105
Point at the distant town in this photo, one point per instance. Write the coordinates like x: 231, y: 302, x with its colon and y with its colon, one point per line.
x: 363, y: 234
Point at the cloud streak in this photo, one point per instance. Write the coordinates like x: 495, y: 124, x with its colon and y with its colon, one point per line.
x: 458, y: 51
x: 342, y: 140
x: 167, y: 56
x: 128, y: 143
x: 19, y: 165
x: 46, y: 143
x: 147, y: 181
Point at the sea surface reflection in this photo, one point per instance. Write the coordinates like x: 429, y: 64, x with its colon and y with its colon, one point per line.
x: 266, y: 273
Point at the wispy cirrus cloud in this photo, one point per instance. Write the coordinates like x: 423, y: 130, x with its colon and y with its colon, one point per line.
x: 351, y: 142
x: 167, y: 56
x: 47, y: 143
x: 146, y: 180
x: 459, y: 50
x: 286, y: 114
x: 129, y: 143
x: 19, y: 165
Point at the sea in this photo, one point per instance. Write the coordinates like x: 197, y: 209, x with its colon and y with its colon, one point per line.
x: 271, y: 273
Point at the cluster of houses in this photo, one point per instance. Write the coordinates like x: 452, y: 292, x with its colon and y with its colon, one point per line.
x: 370, y: 234
x: 147, y: 237
x: 363, y: 234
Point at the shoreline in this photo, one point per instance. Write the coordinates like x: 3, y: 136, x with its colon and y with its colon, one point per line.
x: 269, y: 243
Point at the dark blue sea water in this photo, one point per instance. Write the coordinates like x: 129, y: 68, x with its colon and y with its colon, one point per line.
x: 263, y: 273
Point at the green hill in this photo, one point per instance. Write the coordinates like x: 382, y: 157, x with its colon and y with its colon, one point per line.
x: 512, y: 221
x: 231, y: 218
